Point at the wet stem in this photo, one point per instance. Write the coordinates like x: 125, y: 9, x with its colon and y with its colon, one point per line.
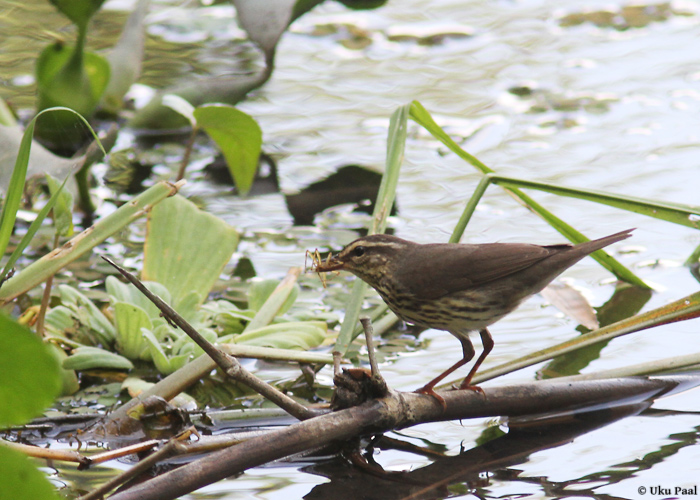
x: 187, y: 154
x: 45, y: 298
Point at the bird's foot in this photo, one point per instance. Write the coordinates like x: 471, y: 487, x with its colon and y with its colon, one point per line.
x: 470, y: 387
x: 428, y: 391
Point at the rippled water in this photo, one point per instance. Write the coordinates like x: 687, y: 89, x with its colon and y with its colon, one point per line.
x: 532, y: 96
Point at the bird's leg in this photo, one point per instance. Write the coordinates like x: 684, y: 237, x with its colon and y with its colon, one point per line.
x: 468, y: 353
x: 487, y: 342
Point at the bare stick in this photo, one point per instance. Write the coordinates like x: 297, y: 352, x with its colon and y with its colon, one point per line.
x: 170, y: 448
x: 369, y: 333
x: 336, y: 362
x: 227, y: 363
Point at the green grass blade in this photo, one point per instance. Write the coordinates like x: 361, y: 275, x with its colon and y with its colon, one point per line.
x: 686, y: 215
x: 33, y: 228
x: 275, y: 302
x: 19, y: 174
x: 396, y: 144
x: 469, y: 209
x: 16, y: 188
x: 573, y: 235
x: 421, y: 116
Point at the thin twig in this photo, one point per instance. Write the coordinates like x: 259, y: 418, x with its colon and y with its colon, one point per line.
x: 188, y: 152
x: 172, y: 447
x: 46, y: 297
x: 369, y: 333
x: 337, y: 356
x: 227, y: 363
x: 379, y: 385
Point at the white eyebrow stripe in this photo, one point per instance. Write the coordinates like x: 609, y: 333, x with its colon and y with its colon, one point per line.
x: 368, y: 244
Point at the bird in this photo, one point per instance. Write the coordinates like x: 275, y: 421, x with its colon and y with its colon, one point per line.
x: 458, y: 288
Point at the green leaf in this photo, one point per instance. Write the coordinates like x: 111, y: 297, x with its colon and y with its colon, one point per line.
x: 164, y: 363
x: 21, y: 480
x: 186, y: 249
x: 88, y: 314
x: 260, y: 291
x: 75, y: 81
x: 160, y: 360
x: 58, y: 320
x: 31, y: 378
x: 188, y: 308
x: 126, y: 292
x: 69, y: 379
x: 228, y: 317
x: 130, y: 319
x: 294, y: 335
x: 16, y: 188
x: 63, y: 209
x: 90, y: 358
x: 181, y: 106
x: 239, y: 138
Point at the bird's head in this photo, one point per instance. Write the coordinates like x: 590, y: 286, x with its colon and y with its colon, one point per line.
x: 369, y: 258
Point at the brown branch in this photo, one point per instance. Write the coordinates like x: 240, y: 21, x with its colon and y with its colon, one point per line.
x: 229, y: 364
x: 396, y: 411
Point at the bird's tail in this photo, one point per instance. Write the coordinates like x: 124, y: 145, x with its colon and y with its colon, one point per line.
x: 591, y: 246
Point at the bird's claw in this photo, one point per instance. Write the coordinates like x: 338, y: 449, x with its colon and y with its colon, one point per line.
x: 474, y: 388
x: 428, y: 391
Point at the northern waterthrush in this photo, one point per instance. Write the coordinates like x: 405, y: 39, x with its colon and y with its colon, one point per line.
x: 459, y: 288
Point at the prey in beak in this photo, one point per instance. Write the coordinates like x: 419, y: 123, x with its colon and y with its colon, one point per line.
x: 318, y: 265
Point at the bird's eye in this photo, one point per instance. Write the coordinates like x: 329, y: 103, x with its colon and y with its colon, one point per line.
x: 358, y: 251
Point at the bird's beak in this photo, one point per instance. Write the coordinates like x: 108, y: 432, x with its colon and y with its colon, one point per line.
x: 332, y: 264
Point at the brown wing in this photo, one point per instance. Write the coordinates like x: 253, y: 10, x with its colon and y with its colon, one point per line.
x: 453, y: 267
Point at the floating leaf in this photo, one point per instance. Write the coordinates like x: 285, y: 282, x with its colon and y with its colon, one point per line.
x: 87, y: 314
x: 572, y: 303
x: 130, y: 319
x: 90, y: 358
x: 239, y: 138
x: 69, y: 379
x: 186, y: 248
x: 294, y: 335
x: 125, y: 292
x: 164, y: 363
